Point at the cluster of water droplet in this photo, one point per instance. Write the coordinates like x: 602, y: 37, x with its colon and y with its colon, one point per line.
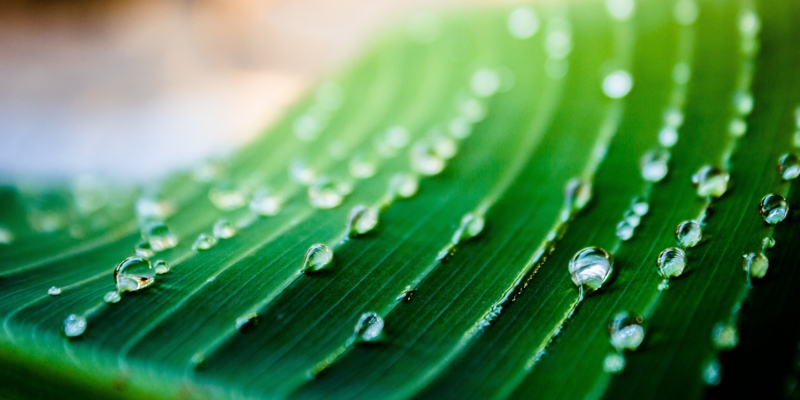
x: 626, y: 334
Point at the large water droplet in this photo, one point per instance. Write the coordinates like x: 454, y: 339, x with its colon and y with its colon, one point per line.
x: 317, y: 257
x: 369, y: 327
x: 485, y: 82
x: 471, y: 225
x: 627, y: 332
x: 204, y: 242
x: 265, y: 203
x: 227, y: 197
x: 134, y: 273
x: 789, y: 166
x: 710, y: 181
x: 688, y: 233
x: 756, y: 264
x: 324, y: 194
x: 725, y: 336
x: 686, y: 12
x: 112, y: 297
x: 590, y: 268
x: 362, y: 220
x: 523, y: 23
x: 161, y: 267
x: 404, y: 185
x: 617, y: 84
x: 74, y: 325
x: 621, y: 10
x: 773, y: 208
x: 223, y: 229
x: 654, y: 165
x: 671, y: 262
x: 614, y: 363
x: 54, y: 291
x: 425, y: 160
x: 159, y: 236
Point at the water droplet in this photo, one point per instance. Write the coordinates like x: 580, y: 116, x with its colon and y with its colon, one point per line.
x: 397, y: 137
x: 112, y: 297
x: 471, y: 225
x: 404, y: 185
x: 789, y: 166
x: 749, y: 24
x: 306, y: 127
x: 362, y: 166
x: 369, y: 327
x: 223, y: 229
x: 773, y: 208
x: 143, y: 249
x: 624, y: 230
x: 425, y: 160
x: 208, y: 171
x: 710, y: 181
x: 558, y: 43
x: 577, y: 194
x: 640, y: 206
x: 473, y: 110
x: 324, y: 194
x: 556, y: 68
x: 671, y: 262
x: 459, y: 128
x: 712, y: 373
x: 54, y: 291
x: 152, y: 207
x: 159, y: 236
x: 756, y: 263
x: 627, y: 332
x: 686, y: 12
x: 523, y: 23
x: 443, y: 146
x: 617, y: 84
x: 673, y: 118
x: 265, y: 203
x: 632, y: 218
x: 614, y: 363
x: 330, y: 95
x: 688, y: 233
x: 246, y: 322
x: 485, y: 82
x: 6, y: 236
x: 590, y: 268
x: 743, y: 101
x: 737, y: 127
x: 725, y: 336
x: 161, y: 267
x: 302, y: 172
x: 621, y: 10
x: 667, y: 137
x: 227, y: 197
x: 362, y: 220
x: 74, y: 325
x: 681, y: 73
x: 654, y: 164
x: 768, y: 243
x: 406, y: 295
x: 134, y: 273
x: 317, y: 257
x: 204, y: 242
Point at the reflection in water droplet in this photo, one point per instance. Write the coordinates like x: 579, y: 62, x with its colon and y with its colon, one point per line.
x: 768, y: 243
x: 369, y: 327
x: 654, y: 164
x: 710, y: 181
x: 223, y: 229
x: 485, y: 82
x: 134, y: 273
x: 143, y: 249
x: 204, y: 242
x: 159, y: 236
x: 743, y: 101
x: 265, y: 203
x: 112, y: 297
x: 6, y: 236
x: 74, y: 325
x: 725, y: 336
x: 362, y: 219
x: 54, y: 291
x: 471, y: 225
x: 459, y: 128
x: 317, y: 257
x: 671, y: 262
x: 789, y: 166
x: 756, y: 264
x: 617, y: 84
x: 614, y: 363
x: 425, y: 160
x: 404, y: 185
x: 227, y: 197
x: 667, y: 137
x: 590, y: 268
x: 626, y: 332
x: 624, y: 230
x: 773, y: 208
x: 523, y: 23
x: 688, y: 233
x: 712, y: 373
x: 685, y: 12
x: 737, y: 127
x: 161, y: 267
x: 621, y: 10
x: 324, y: 194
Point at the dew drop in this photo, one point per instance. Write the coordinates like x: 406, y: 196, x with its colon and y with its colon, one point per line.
x: 425, y: 160
x: 614, y: 363
x: 632, y: 218
x: 756, y: 264
x: 227, y: 197
x: 712, y: 373
x: 617, y: 84
x: 471, y: 225
x: 161, y: 267
x: 590, y: 268
x: 443, y: 146
x: 74, y: 325
x: 473, y: 110
x: 159, y: 236
x: 302, y: 173
x: 686, y: 12
x: 317, y: 257
x: 640, y: 206
x: 459, y: 128
x: 789, y: 166
x: 54, y: 291
x: 737, y: 127
x: 324, y: 194
x: 768, y: 243
x: 654, y: 164
x: 223, y: 229
x: 134, y: 273
x: 306, y: 127
x: 749, y: 24
x: 773, y: 208
x: 204, y: 242
x: 681, y: 73
x: 362, y: 220
x: 369, y: 327
x: 143, y: 249
x: 621, y: 10
x: 523, y: 23
x: 485, y: 82
x: 671, y: 262
x: 624, y: 230
x: 577, y: 194
x: 626, y: 331
x: 362, y: 166
x: 743, y: 101
x: 725, y: 336
x: 246, y: 322
x: 112, y: 297
x: 6, y: 236
x: 265, y: 203
x: 397, y: 137
x: 404, y: 185
x: 667, y: 137
x: 710, y: 181
x: 688, y: 233
x: 673, y: 118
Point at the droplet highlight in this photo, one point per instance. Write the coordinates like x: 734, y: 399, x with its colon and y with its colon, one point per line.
x: 112, y: 297
x: 471, y: 225
x: 324, y: 195
x: 161, y: 267
x: 265, y: 203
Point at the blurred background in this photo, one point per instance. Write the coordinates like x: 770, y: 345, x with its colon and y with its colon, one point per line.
x: 131, y: 90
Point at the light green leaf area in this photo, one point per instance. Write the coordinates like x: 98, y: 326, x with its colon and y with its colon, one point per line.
x: 493, y: 145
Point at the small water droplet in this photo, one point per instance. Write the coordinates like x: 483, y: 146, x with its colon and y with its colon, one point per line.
x: 153, y: 207
x: 302, y: 172
x: 74, y: 325
x: 632, y: 218
x: 159, y: 236
x: 227, y: 197
x: 134, y: 273
x: 523, y: 23
x: 614, y: 363
x: 617, y: 84
x: 768, y: 243
x: 640, y: 206
x: 204, y: 242
x: 459, y: 128
x: 773, y: 208
x: 306, y: 127
x: 362, y: 220
x: 265, y: 203
x: 54, y: 291
x: 223, y: 229
x: 473, y: 110
x: 161, y: 267
x: 471, y: 225
x: 737, y: 127
x: 686, y: 12
x: 621, y: 10
x: 397, y: 137
x: 425, y: 160
x: 743, y: 101
x: 208, y: 171
x: 673, y: 118
x: 624, y: 230
x: 749, y: 24
x: 112, y: 297
x: 404, y: 185
x: 369, y: 327
x: 485, y: 82
x: 681, y: 73
x: 443, y: 146
x: 671, y: 262
x: 246, y: 322
x: 558, y: 43
x: 6, y: 236
x: 324, y: 194
x: 712, y: 373
x: 627, y: 332
x: 710, y: 181
x: 363, y: 166
x: 725, y: 336
x: 688, y: 233
x: 317, y: 257
x: 756, y: 263
x: 590, y: 268
x: 654, y: 164
x: 577, y: 194
x: 789, y: 166
x: 143, y: 249
x: 667, y: 137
